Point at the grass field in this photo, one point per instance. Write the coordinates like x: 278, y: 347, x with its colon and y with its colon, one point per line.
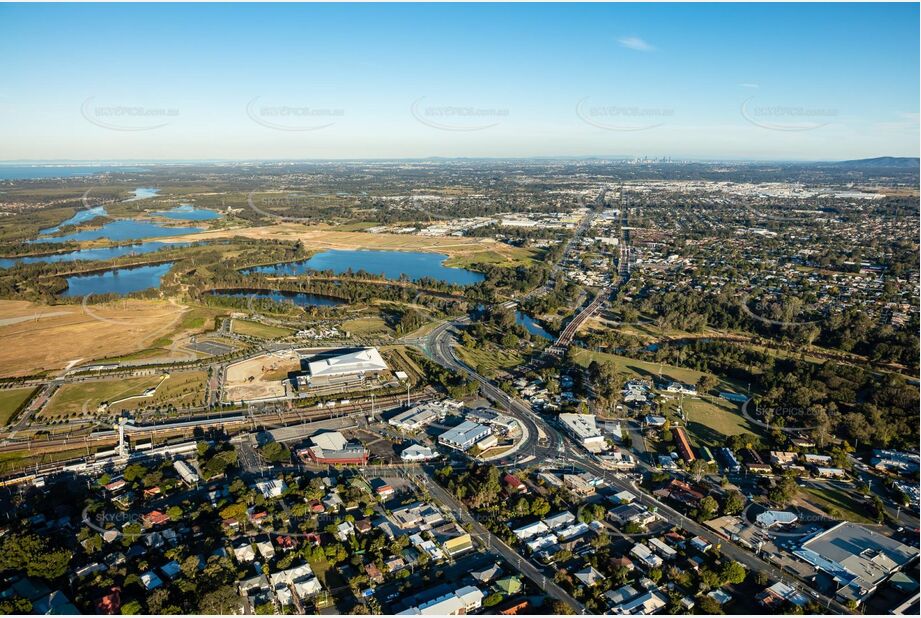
x: 185, y: 388
x: 493, y: 358
x: 179, y: 389
x: 10, y: 400
x: 837, y: 503
x: 262, y: 331
x: 71, y: 398
x: 712, y: 420
x: 639, y: 369
x: 367, y: 326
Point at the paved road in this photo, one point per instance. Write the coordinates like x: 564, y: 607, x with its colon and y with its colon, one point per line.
x: 524, y: 566
x: 439, y: 348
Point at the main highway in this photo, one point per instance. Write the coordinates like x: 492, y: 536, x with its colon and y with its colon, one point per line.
x: 439, y: 347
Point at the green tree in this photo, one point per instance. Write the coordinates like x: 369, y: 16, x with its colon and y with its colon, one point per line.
x: 733, y: 573
x: 131, y: 608
x: 708, y: 507
x: 540, y: 506
x: 15, y: 605
x: 222, y: 600
x: 734, y: 503
x: 708, y: 605
x: 34, y: 555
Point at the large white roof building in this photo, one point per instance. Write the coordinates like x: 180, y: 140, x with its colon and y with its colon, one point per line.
x: 366, y: 360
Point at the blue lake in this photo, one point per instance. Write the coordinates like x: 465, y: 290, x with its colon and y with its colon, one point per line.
x: 25, y: 172
x: 117, y: 281
x: 523, y: 319
x: 142, y: 193
x: 301, y: 299
x: 187, y: 212
x: 89, y: 255
x: 81, y: 216
x: 390, y: 264
x: 124, y: 229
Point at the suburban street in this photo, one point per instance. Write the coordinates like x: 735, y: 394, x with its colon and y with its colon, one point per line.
x: 440, y: 348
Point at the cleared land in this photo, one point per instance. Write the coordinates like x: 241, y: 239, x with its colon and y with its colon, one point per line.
x: 10, y: 400
x: 262, y: 331
x: 462, y: 251
x: 260, y: 377
x: 108, y: 330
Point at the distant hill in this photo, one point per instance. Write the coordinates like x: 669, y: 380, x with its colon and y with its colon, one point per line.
x: 877, y: 162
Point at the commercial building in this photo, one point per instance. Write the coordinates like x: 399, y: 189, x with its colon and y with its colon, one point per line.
x: 419, y: 416
x: 769, y: 519
x: 345, y: 367
x: 417, y: 452
x: 895, y: 461
x: 465, y: 435
x: 584, y: 429
x: 859, y: 559
x: 332, y: 447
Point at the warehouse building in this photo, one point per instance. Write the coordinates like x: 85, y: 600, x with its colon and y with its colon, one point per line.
x: 465, y: 435
x: 584, y: 429
x: 858, y: 558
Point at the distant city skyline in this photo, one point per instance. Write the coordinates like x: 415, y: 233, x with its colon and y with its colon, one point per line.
x: 755, y: 82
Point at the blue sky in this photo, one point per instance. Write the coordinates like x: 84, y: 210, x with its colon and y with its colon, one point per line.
x: 724, y: 81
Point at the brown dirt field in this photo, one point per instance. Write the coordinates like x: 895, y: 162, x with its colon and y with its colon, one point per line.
x: 266, y: 371
x: 52, y: 337
x: 319, y: 238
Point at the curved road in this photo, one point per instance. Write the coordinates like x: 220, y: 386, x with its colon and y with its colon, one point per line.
x: 439, y: 347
